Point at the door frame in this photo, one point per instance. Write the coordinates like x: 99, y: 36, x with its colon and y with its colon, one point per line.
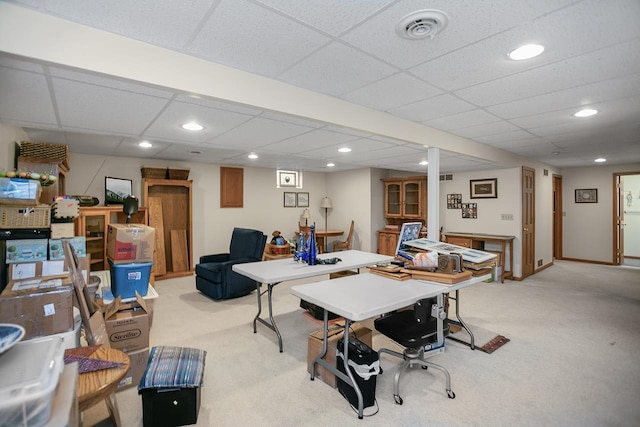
x: 532, y: 255
x: 558, y: 216
x: 617, y: 256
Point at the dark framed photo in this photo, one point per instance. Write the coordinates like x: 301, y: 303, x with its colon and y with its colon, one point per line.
x: 289, y: 199
x: 470, y: 210
x: 484, y: 188
x: 454, y: 201
x: 116, y: 190
x: 302, y: 200
x: 587, y: 195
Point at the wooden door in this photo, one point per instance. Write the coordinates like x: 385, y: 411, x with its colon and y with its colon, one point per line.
x: 411, y: 205
x: 557, y: 216
x: 528, y: 221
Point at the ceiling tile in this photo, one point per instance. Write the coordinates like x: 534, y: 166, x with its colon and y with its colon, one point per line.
x: 486, y: 129
x: 167, y: 126
x: 25, y: 97
x: 394, y: 91
x: 308, y: 141
x: 164, y: 23
x: 330, y: 16
x: 462, y: 120
x: 243, y: 35
x: 433, y: 108
x: 118, y: 112
x: 336, y: 69
x: 257, y: 132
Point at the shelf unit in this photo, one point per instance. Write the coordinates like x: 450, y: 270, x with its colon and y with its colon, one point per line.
x: 93, y: 223
x: 169, y: 202
x: 405, y: 200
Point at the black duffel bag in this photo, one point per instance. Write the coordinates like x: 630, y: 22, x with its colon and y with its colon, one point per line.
x: 364, y: 364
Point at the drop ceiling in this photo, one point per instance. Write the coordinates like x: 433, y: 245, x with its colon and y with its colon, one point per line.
x: 460, y: 82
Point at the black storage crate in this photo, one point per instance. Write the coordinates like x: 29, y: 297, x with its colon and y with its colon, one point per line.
x: 168, y: 407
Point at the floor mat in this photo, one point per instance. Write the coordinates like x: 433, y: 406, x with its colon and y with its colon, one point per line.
x: 484, y: 340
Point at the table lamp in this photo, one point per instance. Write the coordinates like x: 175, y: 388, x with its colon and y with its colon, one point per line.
x: 325, y: 203
x: 130, y: 206
x: 306, y: 216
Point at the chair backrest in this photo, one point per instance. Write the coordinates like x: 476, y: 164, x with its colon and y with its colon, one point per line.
x: 350, y: 235
x: 304, y: 228
x: 247, y: 243
x: 422, y: 309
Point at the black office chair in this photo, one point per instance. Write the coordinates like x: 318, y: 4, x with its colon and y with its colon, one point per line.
x: 417, y: 330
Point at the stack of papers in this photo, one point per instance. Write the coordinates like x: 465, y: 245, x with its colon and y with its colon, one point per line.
x: 470, y: 255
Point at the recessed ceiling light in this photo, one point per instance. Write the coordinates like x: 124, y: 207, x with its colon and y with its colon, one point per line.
x: 330, y: 165
x: 525, y: 52
x: 424, y: 163
x: 252, y: 156
x: 344, y: 149
x: 600, y: 160
x: 192, y: 126
x: 587, y: 112
x: 145, y: 144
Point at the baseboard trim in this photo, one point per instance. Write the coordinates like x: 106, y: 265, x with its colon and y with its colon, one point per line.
x: 587, y: 261
x: 544, y: 267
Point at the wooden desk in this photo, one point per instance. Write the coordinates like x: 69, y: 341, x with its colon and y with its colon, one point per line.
x: 96, y: 386
x: 321, y: 235
x: 477, y: 241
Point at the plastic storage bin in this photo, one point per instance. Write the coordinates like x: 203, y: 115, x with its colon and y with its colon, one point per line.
x: 126, y: 279
x: 30, y: 372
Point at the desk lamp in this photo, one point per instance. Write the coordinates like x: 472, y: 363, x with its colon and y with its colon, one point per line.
x: 325, y: 203
x: 306, y: 216
x: 130, y: 206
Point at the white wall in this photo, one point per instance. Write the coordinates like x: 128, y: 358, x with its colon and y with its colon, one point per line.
x: 588, y: 227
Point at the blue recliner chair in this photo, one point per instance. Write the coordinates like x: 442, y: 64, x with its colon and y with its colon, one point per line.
x: 214, y: 276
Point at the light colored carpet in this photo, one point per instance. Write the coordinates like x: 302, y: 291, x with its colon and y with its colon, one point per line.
x: 572, y: 359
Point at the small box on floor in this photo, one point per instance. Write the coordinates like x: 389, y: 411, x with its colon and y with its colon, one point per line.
x: 314, y: 348
x: 127, y: 325
x: 138, y: 364
x: 170, y: 392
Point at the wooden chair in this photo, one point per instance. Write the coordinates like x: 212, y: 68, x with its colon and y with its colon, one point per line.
x: 346, y: 245
x: 306, y: 229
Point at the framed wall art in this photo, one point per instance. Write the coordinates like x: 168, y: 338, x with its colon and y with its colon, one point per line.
x: 302, y: 200
x: 289, y: 199
x: 470, y: 210
x: 484, y: 188
x: 588, y: 195
x: 116, y: 190
x: 286, y: 179
x: 454, y: 201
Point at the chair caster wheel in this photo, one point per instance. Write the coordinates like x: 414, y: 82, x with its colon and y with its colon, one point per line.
x: 381, y: 371
x: 424, y: 367
x: 398, y: 399
x: 451, y: 394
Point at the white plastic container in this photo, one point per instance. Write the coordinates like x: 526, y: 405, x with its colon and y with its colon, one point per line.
x: 29, y: 372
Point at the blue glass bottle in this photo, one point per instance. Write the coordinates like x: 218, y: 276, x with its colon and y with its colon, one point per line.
x: 300, y: 249
x: 313, y: 249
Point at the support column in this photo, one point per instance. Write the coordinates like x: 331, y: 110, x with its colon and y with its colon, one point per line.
x: 433, y: 194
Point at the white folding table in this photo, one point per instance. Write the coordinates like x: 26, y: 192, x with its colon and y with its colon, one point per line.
x: 364, y: 296
x: 276, y: 271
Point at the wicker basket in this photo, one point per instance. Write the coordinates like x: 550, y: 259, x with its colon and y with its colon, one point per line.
x: 45, y: 150
x: 153, y: 172
x: 279, y: 249
x: 25, y: 217
x: 178, y: 173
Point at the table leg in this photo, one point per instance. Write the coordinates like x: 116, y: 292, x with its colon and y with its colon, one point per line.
x: 271, y: 325
x: 346, y: 378
x: 460, y: 322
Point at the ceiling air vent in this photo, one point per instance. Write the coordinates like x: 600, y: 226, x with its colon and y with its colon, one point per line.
x: 422, y: 24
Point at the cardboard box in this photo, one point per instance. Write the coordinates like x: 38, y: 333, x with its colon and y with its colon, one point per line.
x: 138, y: 364
x: 79, y: 244
x: 130, y: 243
x: 127, y: 324
x: 314, y: 348
x: 39, y: 310
x: 62, y: 230
x: 45, y: 269
x: 27, y: 250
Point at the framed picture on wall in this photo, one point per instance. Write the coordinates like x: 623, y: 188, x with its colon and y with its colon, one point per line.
x: 302, y: 200
x: 589, y: 195
x: 289, y: 199
x: 484, y: 188
x: 287, y: 179
x: 116, y: 190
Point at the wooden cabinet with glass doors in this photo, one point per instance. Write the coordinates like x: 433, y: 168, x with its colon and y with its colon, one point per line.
x: 405, y: 200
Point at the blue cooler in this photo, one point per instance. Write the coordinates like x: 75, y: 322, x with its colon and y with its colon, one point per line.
x: 128, y: 278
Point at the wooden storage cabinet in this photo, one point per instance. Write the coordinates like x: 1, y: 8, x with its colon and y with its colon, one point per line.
x: 169, y: 202
x: 405, y: 198
x: 93, y: 223
x: 387, y: 242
